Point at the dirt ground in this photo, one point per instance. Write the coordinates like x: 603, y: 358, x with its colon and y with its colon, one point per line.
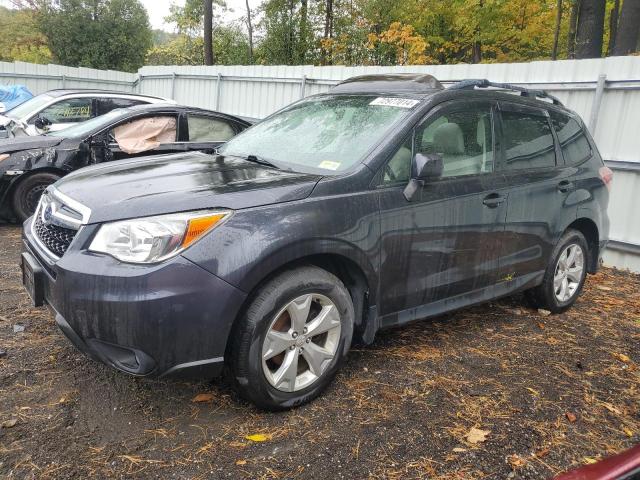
x: 496, y: 391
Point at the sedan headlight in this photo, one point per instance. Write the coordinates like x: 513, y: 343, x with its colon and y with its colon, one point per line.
x: 154, y: 239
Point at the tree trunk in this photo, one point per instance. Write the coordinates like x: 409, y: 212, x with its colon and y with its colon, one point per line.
x: 250, y: 28
x: 573, y: 25
x: 556, y: 32
x: 476, y: 47
x: 208, y: 32
x: 304, y: 32
x: 590, y: 29
x: 328, y: 27
x: 613, y: 26
x: 628, y: 34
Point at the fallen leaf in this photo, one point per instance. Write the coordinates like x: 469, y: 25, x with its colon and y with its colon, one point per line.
x: 516, y: 460
x: 459, y: 450
x: 611, y: 408
x: 603, y: 288
x: 541, y: 325
x: 622, y: 357
x: 589, y: 460
x: 571, y: 417
x: 203, y: 397
x: 542, y: 453
x: 257, y: 437
x: 476, y: 435
x: 9, y: 423
x: 543, y: 312
x: 241, y: 462
x: 628, y: 432
x: 535, y: 392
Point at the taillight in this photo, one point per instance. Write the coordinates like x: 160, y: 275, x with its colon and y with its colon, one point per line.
x: 606, y: 175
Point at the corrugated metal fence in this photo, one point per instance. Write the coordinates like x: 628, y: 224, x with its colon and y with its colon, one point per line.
x: 605, y: 92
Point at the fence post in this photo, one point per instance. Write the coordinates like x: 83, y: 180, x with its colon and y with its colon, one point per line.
x: 595, y: 105
x: 140, y: 78
x: 64, y: 82
x: 173, y: 85
x: 218, y: 89
x: 303, y: 85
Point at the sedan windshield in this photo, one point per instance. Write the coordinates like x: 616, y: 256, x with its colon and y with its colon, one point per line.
x: 30, y: 106
x: 79, y: 130
x: 325, y: 133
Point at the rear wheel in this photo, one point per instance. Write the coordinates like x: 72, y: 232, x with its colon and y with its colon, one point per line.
x: 565, y: 274
x: 28, y: 192
x: 292, y: 339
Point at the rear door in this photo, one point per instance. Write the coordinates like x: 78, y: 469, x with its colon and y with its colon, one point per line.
x: 540, y: 187
x: 445, y: 242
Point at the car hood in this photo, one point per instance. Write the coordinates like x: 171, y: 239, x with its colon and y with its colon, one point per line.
x: 28, y: 143
x: 180, y: 182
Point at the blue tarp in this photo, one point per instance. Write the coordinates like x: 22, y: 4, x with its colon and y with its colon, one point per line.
x: 14, y: 95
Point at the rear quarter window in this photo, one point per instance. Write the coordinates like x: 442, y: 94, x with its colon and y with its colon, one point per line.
x: 528, y: 141
x: 573, y: 141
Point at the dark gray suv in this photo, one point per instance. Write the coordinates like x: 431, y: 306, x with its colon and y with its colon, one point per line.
x: 387, y: 200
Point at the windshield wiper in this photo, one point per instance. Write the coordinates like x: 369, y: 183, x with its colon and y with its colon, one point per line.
x: 260, y: 160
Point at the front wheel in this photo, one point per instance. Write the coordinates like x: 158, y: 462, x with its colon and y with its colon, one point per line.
x: 565, y: 274
x: 292, y: 339
x: 28, y: 192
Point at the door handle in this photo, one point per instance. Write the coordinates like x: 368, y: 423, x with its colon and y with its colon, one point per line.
x: 565, y: 186
x: 493, y: 200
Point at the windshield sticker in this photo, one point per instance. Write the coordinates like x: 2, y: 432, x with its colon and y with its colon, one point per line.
x: 329, y: 165
x: 395, y: 102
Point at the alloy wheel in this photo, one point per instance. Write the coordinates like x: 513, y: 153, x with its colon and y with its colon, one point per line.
x: 568, y: 273
x: 301, y: 342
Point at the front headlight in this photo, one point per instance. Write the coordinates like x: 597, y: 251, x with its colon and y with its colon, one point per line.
x: 153, y: 239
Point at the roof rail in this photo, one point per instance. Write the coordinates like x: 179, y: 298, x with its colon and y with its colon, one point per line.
x: 484, y: 83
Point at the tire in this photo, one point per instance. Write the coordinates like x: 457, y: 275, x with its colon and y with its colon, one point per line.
x: 254, y: 378
x: 27, y: 194
x: 549, y: 294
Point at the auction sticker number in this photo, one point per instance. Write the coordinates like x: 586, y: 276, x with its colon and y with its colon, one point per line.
x: 395, y: 102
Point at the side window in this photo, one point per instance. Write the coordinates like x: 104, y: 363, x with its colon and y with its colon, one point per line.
x: 527, y: 141
x: 105, y: 105
x: 573, y: 141
x: 144, y: 134
x: 463, y: 138
x: 398, y: 169
x: 209, y: 129
x: 67, y: 111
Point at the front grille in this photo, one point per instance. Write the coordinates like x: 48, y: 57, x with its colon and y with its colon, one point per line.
x: 56, y: 239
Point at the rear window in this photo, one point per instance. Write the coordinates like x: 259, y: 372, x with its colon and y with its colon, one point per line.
x: 105, y: 105
x: 208, y: 129
x: 528, y: 141
x: 573, y: 141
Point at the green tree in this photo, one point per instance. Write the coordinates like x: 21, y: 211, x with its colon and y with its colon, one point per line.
x: 104, y: 34
x: 20, y: 37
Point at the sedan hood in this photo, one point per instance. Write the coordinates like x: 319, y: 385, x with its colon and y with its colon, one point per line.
x: 28, y: 143
x: 180, y: 182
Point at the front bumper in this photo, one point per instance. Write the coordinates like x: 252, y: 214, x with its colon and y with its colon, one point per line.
x: 153, y: 320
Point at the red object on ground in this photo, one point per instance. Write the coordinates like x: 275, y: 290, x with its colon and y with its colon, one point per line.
x: 619, y: 466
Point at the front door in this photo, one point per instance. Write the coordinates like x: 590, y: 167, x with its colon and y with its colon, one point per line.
x: 445, y: 243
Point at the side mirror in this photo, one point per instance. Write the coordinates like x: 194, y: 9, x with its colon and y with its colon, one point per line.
x: 427, y: 166
x: 424, y: 167
x: 42, y: 123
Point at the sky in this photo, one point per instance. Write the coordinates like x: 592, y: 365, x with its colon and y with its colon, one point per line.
x: 158, y: 9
